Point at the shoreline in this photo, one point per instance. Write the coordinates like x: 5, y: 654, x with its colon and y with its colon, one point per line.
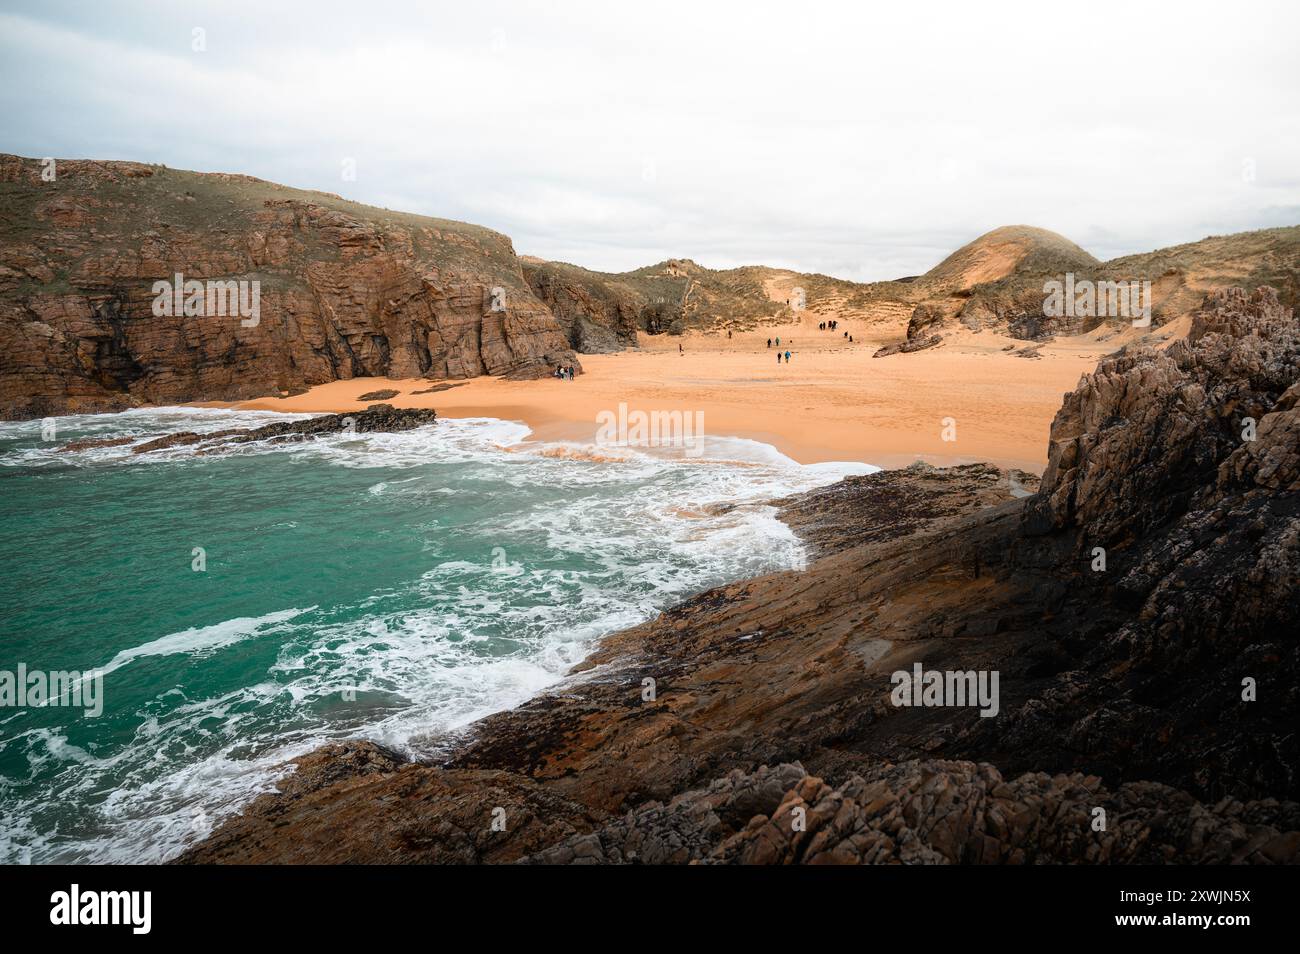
x: 579, y: 670
x: 833, y: 403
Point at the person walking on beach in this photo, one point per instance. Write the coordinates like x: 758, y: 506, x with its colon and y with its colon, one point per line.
x: 769, y: 343
x: 778, y: 357
x: 680, y: 350
x: 787, y: 357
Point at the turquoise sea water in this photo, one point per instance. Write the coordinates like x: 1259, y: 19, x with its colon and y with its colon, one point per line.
x: 385, y: 586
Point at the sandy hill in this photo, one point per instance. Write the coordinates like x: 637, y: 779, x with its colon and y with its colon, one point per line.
x: 1180, y: 279
x: 1004, y: 252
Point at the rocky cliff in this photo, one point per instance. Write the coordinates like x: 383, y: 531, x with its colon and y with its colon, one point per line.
x: 1140, y: 609
x: 342, y: 290
x: 596, y: 316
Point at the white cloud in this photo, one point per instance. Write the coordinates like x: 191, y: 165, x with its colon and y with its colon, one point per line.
x: 837, y: 138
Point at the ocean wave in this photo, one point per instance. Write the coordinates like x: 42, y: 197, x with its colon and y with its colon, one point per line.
x: 523, y: 555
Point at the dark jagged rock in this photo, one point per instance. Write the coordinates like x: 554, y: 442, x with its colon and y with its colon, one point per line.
x: 383, y: 395
x: 377, y: 417
x: 935, y: 812
x: 93, y: 442
x: 1200, y: 530
x: 924, y: 322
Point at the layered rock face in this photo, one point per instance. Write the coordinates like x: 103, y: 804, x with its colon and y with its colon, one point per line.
x: 1125, y: 730
x: 1180, y: 468
x: 344, y: 291
x: 596, y: 318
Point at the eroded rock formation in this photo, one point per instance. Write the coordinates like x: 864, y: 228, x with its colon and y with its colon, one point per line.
x: 344, y: 290
x: 596, y: 317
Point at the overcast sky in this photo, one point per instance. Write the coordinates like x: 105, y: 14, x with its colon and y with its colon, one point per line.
x: 860, y: 140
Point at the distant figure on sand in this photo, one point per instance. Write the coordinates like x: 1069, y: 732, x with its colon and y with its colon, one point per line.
x: 769, y: 342
x: 778, y: 357
x: 787, y: 357
x: 778, y: 342
x: 680, y: 350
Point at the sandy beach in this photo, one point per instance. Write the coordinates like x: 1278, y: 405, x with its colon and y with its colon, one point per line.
x: 832, y: 402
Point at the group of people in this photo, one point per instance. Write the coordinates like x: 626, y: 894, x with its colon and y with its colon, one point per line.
x: 564, y: 372
x: 779, y: 354
x: 829, y: 326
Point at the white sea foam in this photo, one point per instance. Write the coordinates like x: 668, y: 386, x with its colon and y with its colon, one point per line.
x: 485, y: 633
x: 203, y: 639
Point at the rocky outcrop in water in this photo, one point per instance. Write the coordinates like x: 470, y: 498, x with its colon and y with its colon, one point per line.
x: 376, y: 418
x: 1140, y: 610
x: 343, y: 291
